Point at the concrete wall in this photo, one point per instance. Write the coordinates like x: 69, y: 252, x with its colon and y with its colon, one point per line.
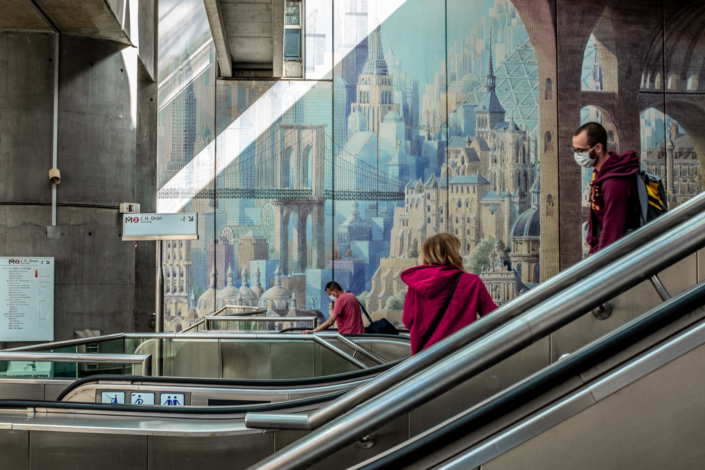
x: 105, y: 158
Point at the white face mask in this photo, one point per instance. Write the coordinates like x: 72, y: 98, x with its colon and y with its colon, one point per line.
x: 332, y: 297
x: 583, y: 159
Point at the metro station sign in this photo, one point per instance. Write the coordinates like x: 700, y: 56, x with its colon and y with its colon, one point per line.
x: 181, y: 226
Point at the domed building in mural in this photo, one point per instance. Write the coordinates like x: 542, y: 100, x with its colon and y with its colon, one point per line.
x: 257, y: 289
x: 229, y: 295
x: 206, y: 302
x: 249, y: 298
x: 526, y: 240
x: 277, y: 297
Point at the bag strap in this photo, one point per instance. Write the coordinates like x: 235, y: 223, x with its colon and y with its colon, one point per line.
x: 437, y: 319
x: 364, y: 311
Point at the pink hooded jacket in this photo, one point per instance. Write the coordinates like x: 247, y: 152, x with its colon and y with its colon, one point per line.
x: 428, y: 288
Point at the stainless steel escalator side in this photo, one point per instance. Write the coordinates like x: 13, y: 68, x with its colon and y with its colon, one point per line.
x: 262, y: 360
x: 571, y: 303
x: 478, y: 329
x: 143, y: 360
x: 686, y: 378
x: 590, y: 363
x: 205, y: 395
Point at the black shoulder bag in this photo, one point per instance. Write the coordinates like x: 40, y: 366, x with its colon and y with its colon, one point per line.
x: 437, y: 319
x: 379, y: 327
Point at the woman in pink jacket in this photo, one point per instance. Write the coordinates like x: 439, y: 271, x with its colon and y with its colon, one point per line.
x: 442, y: 297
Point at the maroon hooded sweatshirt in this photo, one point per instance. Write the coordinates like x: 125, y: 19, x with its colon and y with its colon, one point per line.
x: 614, y: 202
x: 428, y: 288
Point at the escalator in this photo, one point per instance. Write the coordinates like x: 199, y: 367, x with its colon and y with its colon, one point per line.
x: 632, y: 399
x: 331, y: 427
x: 503, y: 356
x: 223, y: 366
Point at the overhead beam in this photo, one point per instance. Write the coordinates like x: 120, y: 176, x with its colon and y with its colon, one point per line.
x: 222, y: 49
x: 278, y: 38
x: 21, y: 15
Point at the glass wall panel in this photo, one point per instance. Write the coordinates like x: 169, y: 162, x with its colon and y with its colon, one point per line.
x: 274, y: 155
x: 390, y: 87
x: 318, y: 40
x: 186, y: 159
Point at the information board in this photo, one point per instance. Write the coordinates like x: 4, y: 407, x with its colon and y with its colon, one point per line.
x: 181, y: 226
x: 26, y: 299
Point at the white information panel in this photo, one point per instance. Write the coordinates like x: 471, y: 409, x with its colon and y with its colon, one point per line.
x: 26, y: 299
x: 181, y: 226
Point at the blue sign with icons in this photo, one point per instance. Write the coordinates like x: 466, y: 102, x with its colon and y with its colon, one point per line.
x: 139, y: 398
x: 172, y: 399
x: 116, y: 398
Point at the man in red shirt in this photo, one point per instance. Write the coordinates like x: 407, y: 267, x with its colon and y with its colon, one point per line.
x: 346, y: 311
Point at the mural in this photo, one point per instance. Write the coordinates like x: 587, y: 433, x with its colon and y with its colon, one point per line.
x: 411, y: 120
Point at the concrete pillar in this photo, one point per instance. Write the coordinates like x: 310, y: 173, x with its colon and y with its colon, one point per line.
x: 107, y: 155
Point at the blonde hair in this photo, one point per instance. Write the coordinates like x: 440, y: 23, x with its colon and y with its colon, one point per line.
x: 442, y: 249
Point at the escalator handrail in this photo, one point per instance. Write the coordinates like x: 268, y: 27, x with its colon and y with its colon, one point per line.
x: 508, y: 339
x: 188, y: 410
x: 544, y: 380
x: 480, y: 328
x: 222, y: 334
x: 279, y: 383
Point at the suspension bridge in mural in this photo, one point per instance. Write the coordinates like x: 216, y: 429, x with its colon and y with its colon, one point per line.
x: 298, y: 162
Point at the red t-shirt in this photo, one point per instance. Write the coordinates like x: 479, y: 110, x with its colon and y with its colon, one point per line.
x: 349, y: 318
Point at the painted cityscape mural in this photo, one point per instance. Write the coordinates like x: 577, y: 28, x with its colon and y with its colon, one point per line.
x: 411, y: 120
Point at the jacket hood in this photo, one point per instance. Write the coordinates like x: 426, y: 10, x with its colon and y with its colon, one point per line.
x: 429, y: 281
x: 619, y: 166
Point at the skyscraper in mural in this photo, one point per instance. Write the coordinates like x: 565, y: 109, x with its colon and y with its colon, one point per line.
x: 375, y: 91
x: 183, y: 125
x: 353, y: 47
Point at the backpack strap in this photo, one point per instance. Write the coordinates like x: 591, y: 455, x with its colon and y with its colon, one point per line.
x: 643, y: 197
x: 437, y: 319
x: 364, y: 311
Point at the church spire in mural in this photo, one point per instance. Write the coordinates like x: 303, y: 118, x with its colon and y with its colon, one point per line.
x: 490, y: 73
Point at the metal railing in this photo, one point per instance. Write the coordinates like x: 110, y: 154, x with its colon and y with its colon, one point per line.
x: 480, y: 328
x: 579, y: 290
x: 208, y: 320
x: 319, y: 338
x: 67, y: 343
x: 246, y: 311
x: 145, y: 360
x: 601, y: 357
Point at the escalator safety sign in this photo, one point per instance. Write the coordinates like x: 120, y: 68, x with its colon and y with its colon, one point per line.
x: 172, y: 399
x: 139, y: 398
x: 115, y: 398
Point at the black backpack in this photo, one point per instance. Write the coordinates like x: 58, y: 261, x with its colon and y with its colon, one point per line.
x: 380, y: 327
x: 652, y: 197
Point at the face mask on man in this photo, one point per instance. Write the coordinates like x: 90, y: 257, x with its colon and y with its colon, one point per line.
x: 332, y: 297
x: 583, y: 158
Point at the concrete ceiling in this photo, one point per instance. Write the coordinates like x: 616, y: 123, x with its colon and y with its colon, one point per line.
x: 20, y: 14
x: 248, y: 27
x: 242, y: 34
x: 101, y: 19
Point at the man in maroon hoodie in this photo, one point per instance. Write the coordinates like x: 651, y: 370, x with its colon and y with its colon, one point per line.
x: 614, y: 202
